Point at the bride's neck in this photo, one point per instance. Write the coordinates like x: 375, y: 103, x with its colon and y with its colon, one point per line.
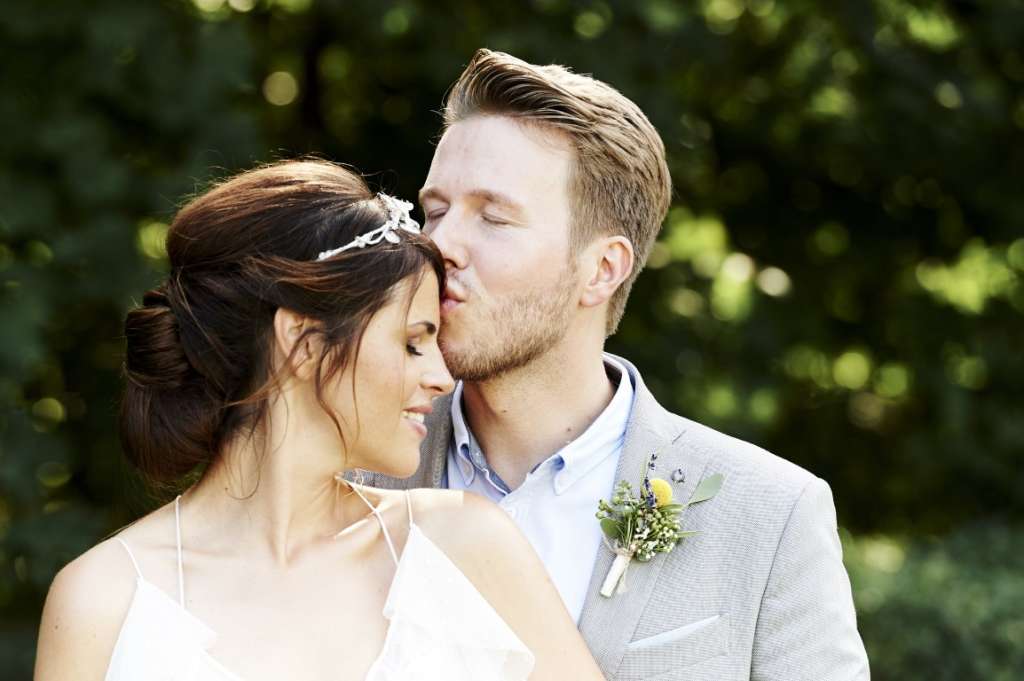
x: 276, y: 491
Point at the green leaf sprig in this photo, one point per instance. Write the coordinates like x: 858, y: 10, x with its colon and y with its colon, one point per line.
x: 647, y: 524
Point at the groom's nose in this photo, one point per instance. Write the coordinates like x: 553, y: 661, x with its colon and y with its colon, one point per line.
x: 449, y: 234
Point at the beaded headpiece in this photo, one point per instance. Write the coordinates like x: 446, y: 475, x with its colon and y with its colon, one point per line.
x: 398, y: 219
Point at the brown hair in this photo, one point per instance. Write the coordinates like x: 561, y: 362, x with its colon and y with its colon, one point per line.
x: 198, y: 355
x: 620, y: 182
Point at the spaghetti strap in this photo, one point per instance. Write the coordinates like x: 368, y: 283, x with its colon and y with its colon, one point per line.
x: 130, y: 555
x: 408, y: 505
x: 181, y: 565
x: 380, y: 519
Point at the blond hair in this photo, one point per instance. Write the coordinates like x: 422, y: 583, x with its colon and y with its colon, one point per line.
x: 619, y: 183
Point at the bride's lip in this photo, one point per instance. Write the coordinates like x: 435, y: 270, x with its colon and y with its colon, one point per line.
x: 416, y: 424
x: 420, y: 429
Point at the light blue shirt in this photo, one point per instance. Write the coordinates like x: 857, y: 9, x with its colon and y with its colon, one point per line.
x: 555, y: 505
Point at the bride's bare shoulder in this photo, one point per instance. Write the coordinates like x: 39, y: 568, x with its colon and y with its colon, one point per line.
x: 479, y: 537
x: 458, y: 516
x: 84, y: 610
x: 486, y: 545
x: 94, y: 584
x: 94, y: 590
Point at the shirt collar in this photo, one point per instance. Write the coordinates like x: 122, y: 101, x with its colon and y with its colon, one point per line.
x: 464, y: 440
x: 577, y: 458
x: 603, y: 437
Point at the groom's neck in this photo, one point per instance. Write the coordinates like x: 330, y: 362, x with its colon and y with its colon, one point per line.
x: 523, y: 417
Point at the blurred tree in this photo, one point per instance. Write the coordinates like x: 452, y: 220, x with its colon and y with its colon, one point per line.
x: 841, y: 279
x: 943, y: 611
x: 113, y: 110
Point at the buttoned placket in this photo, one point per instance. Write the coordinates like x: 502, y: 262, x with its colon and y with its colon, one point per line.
x: 519, y: 501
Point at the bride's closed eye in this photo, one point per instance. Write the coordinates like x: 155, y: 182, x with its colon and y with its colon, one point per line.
x: 417, y: 334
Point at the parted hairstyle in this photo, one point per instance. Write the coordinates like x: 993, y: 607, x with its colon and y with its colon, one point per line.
x: 619, y: 183
x: 198, y: 359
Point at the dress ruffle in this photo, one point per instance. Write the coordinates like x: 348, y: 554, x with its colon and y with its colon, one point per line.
x: 441, y: 627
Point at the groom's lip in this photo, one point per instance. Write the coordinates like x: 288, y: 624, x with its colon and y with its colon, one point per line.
x: 452, y: 298
x: 453, y: 291
x: 449, y: 304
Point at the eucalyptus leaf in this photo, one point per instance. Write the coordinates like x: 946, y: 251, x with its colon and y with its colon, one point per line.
x: 707, y: 488
x: 611, y: 529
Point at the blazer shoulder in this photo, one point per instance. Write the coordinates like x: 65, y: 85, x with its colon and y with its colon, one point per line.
x: 746, y: 466
x: 744, y: 463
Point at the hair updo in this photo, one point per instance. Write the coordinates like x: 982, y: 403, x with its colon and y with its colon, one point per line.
x: 198, y: 349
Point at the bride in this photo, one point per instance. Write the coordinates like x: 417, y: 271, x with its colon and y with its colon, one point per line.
x: 295, y: 339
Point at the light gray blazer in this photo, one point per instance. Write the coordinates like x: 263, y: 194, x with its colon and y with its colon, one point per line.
x: 760, y: 593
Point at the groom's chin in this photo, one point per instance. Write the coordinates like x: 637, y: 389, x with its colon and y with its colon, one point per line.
x: 458, y: 364
x: 453, y: 350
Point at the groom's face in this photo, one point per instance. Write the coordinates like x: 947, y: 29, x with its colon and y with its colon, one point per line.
x: 497, y: 204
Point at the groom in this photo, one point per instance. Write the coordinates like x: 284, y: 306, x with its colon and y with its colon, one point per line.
x: 545, y: 195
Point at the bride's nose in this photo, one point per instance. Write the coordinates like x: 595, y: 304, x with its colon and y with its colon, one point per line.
x: 436, y: 378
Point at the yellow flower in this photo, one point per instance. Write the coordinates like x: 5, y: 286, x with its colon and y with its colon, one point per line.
x: 662, y: 491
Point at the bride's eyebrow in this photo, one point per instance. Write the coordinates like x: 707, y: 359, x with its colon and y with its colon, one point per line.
x: 429, y: 327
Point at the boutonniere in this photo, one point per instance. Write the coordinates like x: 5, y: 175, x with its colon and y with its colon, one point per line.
x: 637, y: 528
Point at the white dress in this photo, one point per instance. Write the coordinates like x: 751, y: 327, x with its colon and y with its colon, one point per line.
x: 440, y: 627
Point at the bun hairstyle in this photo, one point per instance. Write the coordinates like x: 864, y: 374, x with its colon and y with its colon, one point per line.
x: 199, y: 348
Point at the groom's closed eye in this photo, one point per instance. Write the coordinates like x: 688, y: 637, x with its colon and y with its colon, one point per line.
x: 433, y: 204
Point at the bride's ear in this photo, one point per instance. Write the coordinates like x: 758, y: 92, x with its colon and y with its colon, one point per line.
x: 294, y: 346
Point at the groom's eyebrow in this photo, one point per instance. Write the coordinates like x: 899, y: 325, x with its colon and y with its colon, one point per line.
x: 486, y: 195
x: 495, y: 197
x: 429, y: 327
x: 430, y: 193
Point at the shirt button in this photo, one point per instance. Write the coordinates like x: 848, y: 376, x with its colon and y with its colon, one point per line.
x: 512, y: 513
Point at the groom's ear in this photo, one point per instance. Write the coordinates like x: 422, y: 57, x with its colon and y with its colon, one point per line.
x: 609, y: 262
x: 293, y: 344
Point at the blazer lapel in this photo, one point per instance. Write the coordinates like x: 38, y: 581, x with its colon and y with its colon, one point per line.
x: 434, y: 450
x: 608, y: 624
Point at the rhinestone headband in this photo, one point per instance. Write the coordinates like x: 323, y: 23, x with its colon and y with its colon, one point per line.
x: 398, y: 219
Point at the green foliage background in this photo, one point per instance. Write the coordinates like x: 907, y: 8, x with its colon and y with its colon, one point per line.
x: 841, y: 279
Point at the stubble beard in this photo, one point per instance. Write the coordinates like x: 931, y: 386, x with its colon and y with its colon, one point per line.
x: 511, y: 333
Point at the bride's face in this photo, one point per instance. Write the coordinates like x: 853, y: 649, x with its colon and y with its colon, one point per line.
x: 385, y: 392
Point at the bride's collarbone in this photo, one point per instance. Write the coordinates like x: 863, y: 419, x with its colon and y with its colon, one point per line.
x: 273, y: 624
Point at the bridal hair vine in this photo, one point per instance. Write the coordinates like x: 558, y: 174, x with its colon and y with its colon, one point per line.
x: 398, y: 219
